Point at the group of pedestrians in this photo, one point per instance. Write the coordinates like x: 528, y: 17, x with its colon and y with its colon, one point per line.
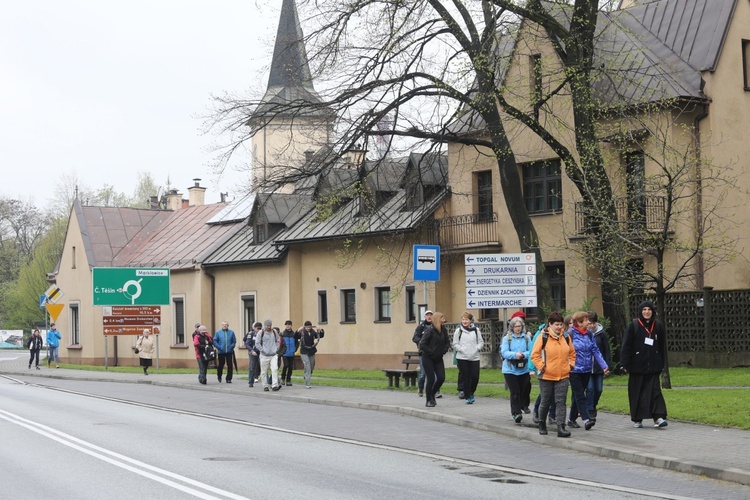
x: 572, y: 352
x: 35, y: 344
x: 267, y: 347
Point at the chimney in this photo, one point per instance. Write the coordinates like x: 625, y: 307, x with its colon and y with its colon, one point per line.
x: 355, y: 156
x: 153, y: 202
x: 197, y: 194
x: 174, y: 200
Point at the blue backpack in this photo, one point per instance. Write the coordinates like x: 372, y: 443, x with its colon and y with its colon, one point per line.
x: 291, y: 346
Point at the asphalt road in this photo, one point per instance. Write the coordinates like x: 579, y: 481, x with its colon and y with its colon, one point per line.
x: 132, y: 440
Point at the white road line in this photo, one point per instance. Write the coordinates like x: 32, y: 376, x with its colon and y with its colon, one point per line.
x: 122, y: 461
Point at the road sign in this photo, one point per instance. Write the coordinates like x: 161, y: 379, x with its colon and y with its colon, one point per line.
x: 54, y: 310
x: 130, y: 320
x: 426, y: 263
x: 500, y: 303
x: 53, y: 294
x: 500, y: 280
x: 130, y: 286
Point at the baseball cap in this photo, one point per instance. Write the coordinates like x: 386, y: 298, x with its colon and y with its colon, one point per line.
x: 197, y: 325
x: 427, y: 312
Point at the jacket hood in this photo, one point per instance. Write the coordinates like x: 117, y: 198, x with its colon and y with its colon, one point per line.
x: 650, y: 305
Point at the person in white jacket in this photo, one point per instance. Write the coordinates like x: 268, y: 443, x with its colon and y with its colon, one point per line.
x: 467, y: 343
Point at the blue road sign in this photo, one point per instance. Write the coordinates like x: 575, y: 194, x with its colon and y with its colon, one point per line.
x: 426, y: 263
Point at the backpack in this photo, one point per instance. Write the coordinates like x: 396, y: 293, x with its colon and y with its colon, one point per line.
x: 282, y: 346
x: 209, y: 352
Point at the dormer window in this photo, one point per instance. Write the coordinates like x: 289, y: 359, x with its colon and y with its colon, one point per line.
x: 261, y: 232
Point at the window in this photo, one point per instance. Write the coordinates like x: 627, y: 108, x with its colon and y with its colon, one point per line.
x: 484, y: 195
x: 75, y: 325
x: 74, y: 258
x: 248, y: 311
x: 555, y: 274
x: 746, y: 63
x: 383, y: 298
x: 348, y: 306
x: 322, y: 306
x: 261, y: 233
x: 542, y: 187
x: 489, y: 314
x: 635, y: 174
x: 411, y: 303
x: 178, y: 311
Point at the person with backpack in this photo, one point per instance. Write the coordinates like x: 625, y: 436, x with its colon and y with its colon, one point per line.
x: 35, y: 344
x: 434, y: 344
x: 291, y: 341
x: 587, y: 354
x: 308, y: 346
x: 467, y: 343
x: 267, y: 346
x: 515, y: 351
x: 643, y: 350
x: 553, y: 355
x: 596, y: 382
x: 204, y: 346
x: 416, y: 338
x: 253, y: 362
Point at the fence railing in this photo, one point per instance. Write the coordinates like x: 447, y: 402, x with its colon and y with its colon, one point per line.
x: 640, y: 214
x: 464, y: 230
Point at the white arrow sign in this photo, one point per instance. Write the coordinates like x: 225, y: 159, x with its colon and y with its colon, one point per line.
x: 500, y: 258
x: 500, y: 270
x: 500, y: 303
x: 482, y: 281
x: 501, y: 292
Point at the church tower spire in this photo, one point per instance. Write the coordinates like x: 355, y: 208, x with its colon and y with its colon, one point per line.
x: 289, y: 120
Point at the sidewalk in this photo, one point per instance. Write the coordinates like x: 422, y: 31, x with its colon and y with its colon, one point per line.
x: 697, y: 449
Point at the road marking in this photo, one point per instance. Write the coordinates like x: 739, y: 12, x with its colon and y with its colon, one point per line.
x: 122, y: 461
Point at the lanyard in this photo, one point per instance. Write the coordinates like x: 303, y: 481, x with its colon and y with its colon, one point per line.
x: 647, y: 330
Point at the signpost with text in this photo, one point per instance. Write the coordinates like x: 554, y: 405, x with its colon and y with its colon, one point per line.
x: 500, y: 281
x: 131, y: 286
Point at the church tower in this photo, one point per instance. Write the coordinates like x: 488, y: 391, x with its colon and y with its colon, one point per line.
x: 285, y: 125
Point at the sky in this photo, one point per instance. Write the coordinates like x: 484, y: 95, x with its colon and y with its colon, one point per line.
x: 102, y: 90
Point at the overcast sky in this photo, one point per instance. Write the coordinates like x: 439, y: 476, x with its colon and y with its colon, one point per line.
x: 105, y: 89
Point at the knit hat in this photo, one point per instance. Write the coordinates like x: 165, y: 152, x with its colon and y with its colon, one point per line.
x: 650, y: 305
x: 268, y: 322
x: 519, y: 314
x: 308, y: 323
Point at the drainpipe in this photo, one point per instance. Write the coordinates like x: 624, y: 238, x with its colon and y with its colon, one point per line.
x: 699, y: 264
x: 213, y: 299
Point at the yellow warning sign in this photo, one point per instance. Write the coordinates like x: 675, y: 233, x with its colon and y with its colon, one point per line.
x: 54, y: 310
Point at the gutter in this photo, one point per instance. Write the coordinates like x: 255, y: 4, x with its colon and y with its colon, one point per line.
x: 213, y: 298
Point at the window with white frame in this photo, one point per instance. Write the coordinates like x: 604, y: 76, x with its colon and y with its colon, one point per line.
x: 75, y: 324
x: 383, y: 303
x: 248, y: 311
x: 178, y: 319
x: 348, y: 306
x: 322, y: 306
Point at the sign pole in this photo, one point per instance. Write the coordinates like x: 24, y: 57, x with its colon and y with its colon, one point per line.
x: 106, y: 358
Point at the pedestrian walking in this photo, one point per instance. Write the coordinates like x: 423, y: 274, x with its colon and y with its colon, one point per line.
x: 35, y: 344
x: 467, y: 343
x: 53, y: 345
x: 553, y: 354
x: 145, y: 348
x: 225, y: 341
x: 434, y: 344
x: 587, y: 355
x: 267, y: 345
x: 309, y: 340
x: 515, y: 351
x: 253, y: 361
x: 643, y: 350
x: 203, y: 347
x: 596, y: 382
x: 416, y: 338
x: 291, y: 342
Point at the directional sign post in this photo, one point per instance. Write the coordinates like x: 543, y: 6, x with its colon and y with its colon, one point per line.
x: 131, y: 320
x: 130, y: 286
x: 500, y: 281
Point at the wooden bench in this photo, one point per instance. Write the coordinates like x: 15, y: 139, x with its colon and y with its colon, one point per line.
x: 410, y: 377
x: 412, y: 358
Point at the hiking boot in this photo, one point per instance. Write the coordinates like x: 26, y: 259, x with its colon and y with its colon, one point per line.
x: 535, y: 417
x: 573, y: 424
x: 562, y: 432
x: 542, y: 428
x: 588, y: 424
x: 517, y: 417
x: 526, y: 410
x: 430, y: 404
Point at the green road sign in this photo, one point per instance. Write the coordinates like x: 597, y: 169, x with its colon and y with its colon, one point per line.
x: 131, y: 286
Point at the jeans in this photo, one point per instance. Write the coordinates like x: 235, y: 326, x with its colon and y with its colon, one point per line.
x: 555, y: 390
x: 434, y: 376
x: 267, y: 362
x: 468, y: 371
x: 420, y: 380
x: 202, y: 368
x: 220, y: 368
x: 308, y: 361
x: 286, y: 372
x: 578, y: 383
x: 253, y: 368
x: 594, y: 391
x: 519, y: 387
x: 52, y: 354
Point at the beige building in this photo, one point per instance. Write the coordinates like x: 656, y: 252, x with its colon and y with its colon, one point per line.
x: 280, y: 253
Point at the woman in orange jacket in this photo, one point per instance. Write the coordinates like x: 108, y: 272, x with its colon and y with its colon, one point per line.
x: 553, y: 355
